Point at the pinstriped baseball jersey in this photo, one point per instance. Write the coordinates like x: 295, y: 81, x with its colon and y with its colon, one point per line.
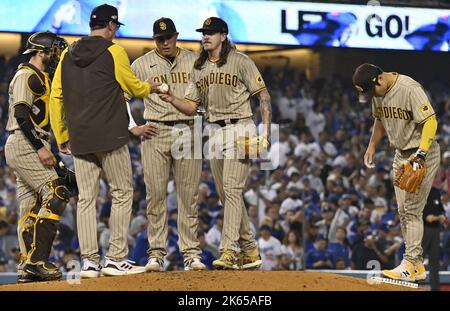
x: 176, y: 75
x: 225, y: 91
x: 20, y: 93
x: 402, y: 111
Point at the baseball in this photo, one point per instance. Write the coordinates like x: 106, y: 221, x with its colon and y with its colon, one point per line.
x: 164, y: 88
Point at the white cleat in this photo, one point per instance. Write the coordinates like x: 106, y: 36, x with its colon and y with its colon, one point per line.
x: 118, y: 268
x: 90, y: 270
x: 194, y: 264
x: 154, y: 265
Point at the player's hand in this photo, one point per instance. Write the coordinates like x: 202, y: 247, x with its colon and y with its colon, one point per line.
x: 154, y: 86
x: 369, y: 157
x: 46, y: 156
x: 147, y: 131
x: 168, y: 97
x: 65, y: 148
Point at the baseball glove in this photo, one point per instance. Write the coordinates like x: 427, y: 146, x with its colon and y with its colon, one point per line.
x: 252, y: 147
x: 411, y: 174
x: 68, y: 176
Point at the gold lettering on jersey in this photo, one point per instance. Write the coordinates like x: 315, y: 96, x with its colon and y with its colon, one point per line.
x: 179, y: 77
x: 394, y: 113
x: 221, y: 78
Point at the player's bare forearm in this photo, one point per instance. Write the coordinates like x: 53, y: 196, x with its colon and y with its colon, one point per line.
x: 266, y: 112
x: 378, y: 132
x: 185, y: 106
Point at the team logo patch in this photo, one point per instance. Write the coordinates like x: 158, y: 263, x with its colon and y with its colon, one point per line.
x: 259, y: 79
x: 162, y: 26
x: 208, y: 22
x: 425, y: 108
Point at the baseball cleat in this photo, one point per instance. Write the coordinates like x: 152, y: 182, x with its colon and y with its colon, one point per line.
x: 194, y: 264
x: 42, y: 271
x: 404, y: 272
x: 90, y: 270
x: 154, y: 264
x: 227, y: 261
x: 420, y: 273
x: 250, y: 261
x: 118, y: 268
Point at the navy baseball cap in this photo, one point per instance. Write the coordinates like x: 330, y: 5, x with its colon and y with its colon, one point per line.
x: 164, y: 27
x: 364, y: 79
x: 214, y: 24
x: 103, y: 14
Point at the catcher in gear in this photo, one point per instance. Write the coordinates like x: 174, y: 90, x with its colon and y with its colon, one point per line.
x: 42, y: 193
x: 401, y: 110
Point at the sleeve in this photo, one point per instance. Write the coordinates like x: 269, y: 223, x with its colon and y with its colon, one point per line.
x: 251, y: 77
x: 375, y: 112
x: 420, y: 105
x: 137, y: 72
x: 128, y: 81
x: 192, y: 94
x: 56, y: 106
x: 22, y: 94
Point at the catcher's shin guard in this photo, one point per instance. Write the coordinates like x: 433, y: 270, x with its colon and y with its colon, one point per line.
x: 26, y: 225
x: 55, y: 196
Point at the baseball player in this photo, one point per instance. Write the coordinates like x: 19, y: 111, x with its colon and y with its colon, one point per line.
x: 42, y: 194
x: 402, y: 110
x: 172, y: 65
x: 87, y: 97
x: 223, y: 80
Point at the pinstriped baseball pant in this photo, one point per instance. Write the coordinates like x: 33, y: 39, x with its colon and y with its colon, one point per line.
x: 159, y: 154
x: 116, y: 166
x: 30, y: 173
x: 410, y: 205
x: 230, y: 175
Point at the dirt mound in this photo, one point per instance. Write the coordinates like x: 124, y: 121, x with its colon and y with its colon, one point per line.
x: 213, y: 281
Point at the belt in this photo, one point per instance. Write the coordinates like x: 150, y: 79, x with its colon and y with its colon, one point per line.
x: 43, y: 136
x: 226, y: 122
x: 173, y: 123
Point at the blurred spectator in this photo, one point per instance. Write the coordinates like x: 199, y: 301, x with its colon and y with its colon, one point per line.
x: 319, y: 257
x: 214, y: 234
x: 269, y: 247
x: 293, y: 251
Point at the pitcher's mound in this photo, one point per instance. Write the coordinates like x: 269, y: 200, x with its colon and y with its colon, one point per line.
x: 214, y: 281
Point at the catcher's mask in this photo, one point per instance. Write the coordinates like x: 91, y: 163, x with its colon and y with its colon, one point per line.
x: 49, y: 43
x: 365, y: 78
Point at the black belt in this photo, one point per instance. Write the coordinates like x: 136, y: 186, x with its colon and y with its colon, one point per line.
x: 43, y: 136
x: 223, y: 123
x: 172, y: 123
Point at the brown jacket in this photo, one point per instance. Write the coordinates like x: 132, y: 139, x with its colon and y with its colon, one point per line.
x: 87, y: 96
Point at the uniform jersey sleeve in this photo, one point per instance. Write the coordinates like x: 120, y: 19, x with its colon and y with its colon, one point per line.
x: 56, y: 106
x: 22, y: 94
x: 192, y: 93
x: 420, y: 105
x: 251, y: 76
x: 375, y: 112
x: 135, y: 67
x: 128, y: 81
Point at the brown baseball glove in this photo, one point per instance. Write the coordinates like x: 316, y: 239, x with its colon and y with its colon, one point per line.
x: 411, y: 174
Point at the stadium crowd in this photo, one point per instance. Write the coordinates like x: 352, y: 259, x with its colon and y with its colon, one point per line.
x: 318, y: 208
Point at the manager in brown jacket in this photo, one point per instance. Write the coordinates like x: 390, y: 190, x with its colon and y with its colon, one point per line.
x: 88, y: 115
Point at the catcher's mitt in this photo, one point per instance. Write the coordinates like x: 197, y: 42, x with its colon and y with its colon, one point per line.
x: 411, y: 174
x: 68, y: 176
x: 252, y: 147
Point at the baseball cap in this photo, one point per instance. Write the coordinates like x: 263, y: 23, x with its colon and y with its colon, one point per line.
x: 164, y: 27
x: 103, y: 14
x: 364, y: 79
x: 214, y: 24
